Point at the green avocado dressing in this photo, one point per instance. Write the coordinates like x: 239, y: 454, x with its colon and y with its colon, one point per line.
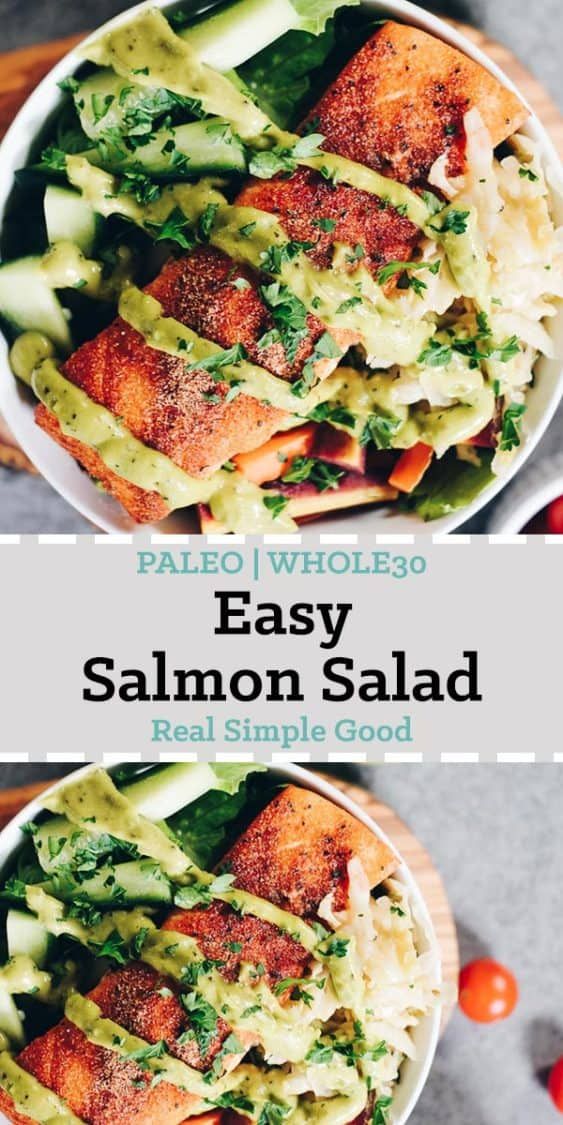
x: 27, y: 352
x: 144, y: 314
x: 20, y: 975
x: 93, y: 800
x: 236, y: 502
x: 87, y: 1016
x: 30, y: 1098
x: 64, y: 266
x: 147, y: 51
x: 247, y: 1005
x: 342, y: 300
x: 466, y: 255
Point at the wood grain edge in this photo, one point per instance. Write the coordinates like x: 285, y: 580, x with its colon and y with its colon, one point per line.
x: 415, y: 856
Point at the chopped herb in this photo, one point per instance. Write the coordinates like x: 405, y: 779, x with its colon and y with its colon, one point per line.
x: 322, y: 475
x: 289, y: 315
x: 526, y: 173
x: 395, y: 267
x: 454, y: 221
x: 326, y: 225
x: 176, y: 228
x: 224, y: 358
x: 380, y: 429
x: 143, y: 1055
x: 325, y: 348
x: 336, y: 415
x: 247, y: 230
x: 139, y: 185
x: 380, y: 1111
x: 349, y: 303
x: 100, y: 104
x: 320, y: 1053
x: 275, y: 504
x: 207, y: 219
x: 512, y: 426
x: 69, y: 85
x: 114, y: 948
x: 357, y: 254
x: 203, y: 1020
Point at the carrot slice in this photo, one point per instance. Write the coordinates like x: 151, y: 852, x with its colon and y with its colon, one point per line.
x: 411, y: 467
x: 273, y: 459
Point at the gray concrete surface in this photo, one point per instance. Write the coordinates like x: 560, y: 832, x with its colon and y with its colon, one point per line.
x: 496, y: 835
x: 532, y: 32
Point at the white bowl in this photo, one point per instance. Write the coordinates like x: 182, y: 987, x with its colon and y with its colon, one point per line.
x: 413, y: 1073
x: 533, y: 491
x: 72, y: 483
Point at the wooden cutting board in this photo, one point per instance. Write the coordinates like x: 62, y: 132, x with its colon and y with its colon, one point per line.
x: 414, y: 855
x: 20, y: 72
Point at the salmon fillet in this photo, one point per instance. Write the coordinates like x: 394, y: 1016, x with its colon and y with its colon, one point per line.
x: 294, y: 853
x: 396, y: 107
x: 399, y: 104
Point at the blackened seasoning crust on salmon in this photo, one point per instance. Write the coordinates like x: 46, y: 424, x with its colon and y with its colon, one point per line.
x: 294, y: 853
x: 399, y: 104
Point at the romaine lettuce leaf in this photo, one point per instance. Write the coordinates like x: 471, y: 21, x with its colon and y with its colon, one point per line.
x: 450, y: 484
x: 315, y: 14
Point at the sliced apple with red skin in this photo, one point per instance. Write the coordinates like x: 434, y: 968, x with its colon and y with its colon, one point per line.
x: 336, y: 447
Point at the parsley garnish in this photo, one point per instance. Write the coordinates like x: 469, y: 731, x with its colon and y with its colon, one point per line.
x: 512, y: 426
x: 275, y: 504
x: 380, y: 1111
x: 289, y: 315
x: 326, y: 225
x: 322, y: 475
x: 454, y: 221
x: 380, y: 429
x: 526, y: 173
x: 337, y: 415
x: 176, y: 228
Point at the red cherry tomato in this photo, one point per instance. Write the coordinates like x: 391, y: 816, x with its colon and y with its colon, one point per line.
x: 554, y: 517
x: 487, y: 991
x: 555, y: 1085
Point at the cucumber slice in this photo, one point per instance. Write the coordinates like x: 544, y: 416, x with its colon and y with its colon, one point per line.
x: 27, y: 935
x: 10, y: 1020
x: 229, y: 37
x: 165, y: 791
x: 139, y: 881
x: 187, y: 150
x: 69, y: 216
x: 103, y: 100
x: 27, y: 302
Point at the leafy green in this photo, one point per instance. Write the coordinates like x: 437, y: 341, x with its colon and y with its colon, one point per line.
x: 380, y: 429
x: 289, y: 315
x: 202, y: 827
x: 322, y: 475
x: 454, y: 221
x: 450, y: 484
x: 511, y: 426
x: 275, y: 504
x: 280, y: 77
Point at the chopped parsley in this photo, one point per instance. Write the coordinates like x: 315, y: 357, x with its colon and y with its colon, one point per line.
x: 526, y: 173
x: 203, y: 1022
x: 380, y: 1109
x: 175, y: 228
x: 454, y: 221
x: 275, y: 504
x: 511, y: 433
x: 336, y: 415
x: 289, y: 315
x: 321, y: 474
x: 380, y: 429
x: 325, y: 348
x: 224, y: 358
x: 326, y: 225
x: 140, y: 186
